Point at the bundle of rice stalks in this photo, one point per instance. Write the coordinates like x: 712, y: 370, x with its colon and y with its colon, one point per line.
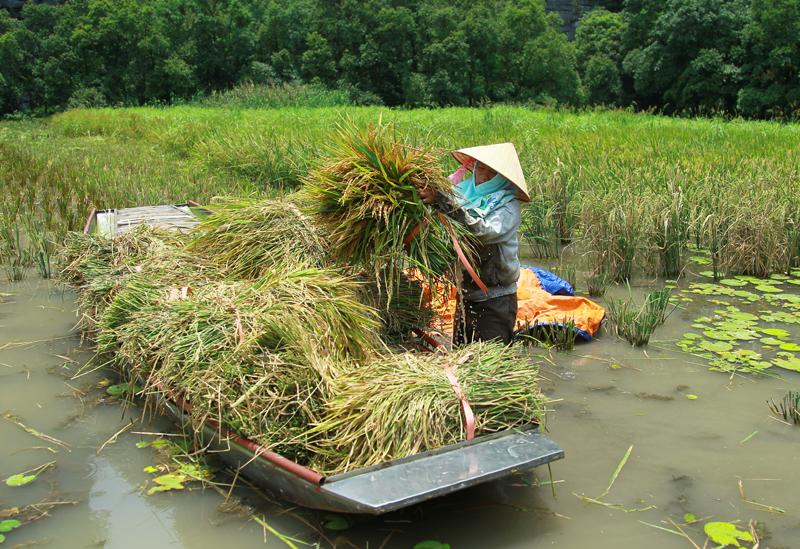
x: 179, y: 330
x: 408, y: 308
x: 245, y: 237
x: 363, y: 197
x: 402, y: 404
x: 83, y: 257
x: 97, y: 268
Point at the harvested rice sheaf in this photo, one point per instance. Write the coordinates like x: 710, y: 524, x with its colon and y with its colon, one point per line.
x: 363, y: 197
x: 408, y: 309
x: 402, y: 404
x: 245, y: 237
x: 97, y: 268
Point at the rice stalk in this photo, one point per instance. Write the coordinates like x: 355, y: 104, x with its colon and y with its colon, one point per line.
x: 398, y: 405
x: 635, y: 325
x: 243, y: 238
x: 363, y: 198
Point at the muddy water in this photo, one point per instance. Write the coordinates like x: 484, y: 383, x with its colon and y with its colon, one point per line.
x: 688, y: 456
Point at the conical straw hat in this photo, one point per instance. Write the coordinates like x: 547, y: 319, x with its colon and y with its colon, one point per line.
x: 503, y: 159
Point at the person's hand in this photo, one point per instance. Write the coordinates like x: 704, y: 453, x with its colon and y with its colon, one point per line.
x: 427, y: 194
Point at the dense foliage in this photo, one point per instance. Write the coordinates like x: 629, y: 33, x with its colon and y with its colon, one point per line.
x: 680, y: 56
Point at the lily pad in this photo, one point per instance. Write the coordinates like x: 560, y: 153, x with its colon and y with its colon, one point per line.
x: 431, y: 545
x: 771, y: 341
x: 744, y: 335
x: 726, y: 533
x: 743, y: 316
x: 733, y: 282
x: 778, y: 276
x: 715, y: 346
x: 8, y: 525
x: 20, y: 480
x: 700, y: 326
x: 768, y: 289
x: 790, y: 346
x: 167, y: 482
x: 337, y: 522
x: 777, y: 332
x: 788, y: 363
x: 702, y: 261
x: 794, y: 281
x: 719, y: 334
x: 122, y: 388
x: 692, y: 336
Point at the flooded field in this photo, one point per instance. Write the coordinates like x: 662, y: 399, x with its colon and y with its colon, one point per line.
x: 701, y: 442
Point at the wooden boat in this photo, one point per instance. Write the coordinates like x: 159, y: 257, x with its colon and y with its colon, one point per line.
x: 377, y: 489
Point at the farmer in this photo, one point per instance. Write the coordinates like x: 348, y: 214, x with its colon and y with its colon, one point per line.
x: 488, y: 205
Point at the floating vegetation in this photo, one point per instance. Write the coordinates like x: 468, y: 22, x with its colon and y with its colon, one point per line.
x: 24, y: 478
x: 633, y: 324
x: 788, y: 408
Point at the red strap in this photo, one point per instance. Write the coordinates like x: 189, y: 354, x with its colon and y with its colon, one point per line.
x: 239, y: 330
x: 461, y: 255
x: 415, y: 232
x: 469, y: 417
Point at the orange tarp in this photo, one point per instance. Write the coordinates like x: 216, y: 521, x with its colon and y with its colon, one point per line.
x: 535, y: 306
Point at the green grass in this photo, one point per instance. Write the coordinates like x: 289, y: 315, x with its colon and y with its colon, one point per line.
x: 627, y: 190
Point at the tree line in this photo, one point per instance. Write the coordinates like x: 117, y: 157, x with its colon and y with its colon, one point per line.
x: 739, y: 57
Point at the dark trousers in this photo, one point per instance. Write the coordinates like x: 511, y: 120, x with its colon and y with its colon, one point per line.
x: 485, y: 320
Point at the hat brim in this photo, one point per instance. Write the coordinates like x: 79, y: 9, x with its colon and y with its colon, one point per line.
x: 503, y: 159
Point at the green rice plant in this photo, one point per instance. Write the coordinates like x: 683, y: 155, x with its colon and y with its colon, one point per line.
x: 615, y: 233
x: 671, y: 223
x: 598, y: 282
x: 269, y: 158
x: 538, y: 228
x: 398, y: 405
x: 635, y: 325
x: 408, y: 310
x: 363, y: 196
x: 244, y: 238
x: 789, y: 408
x: 15, y: 256
x: 565, y: 271
x: 561, y: 336
x: 792, y: 232
x: 262, y: 96
x: 42, y: 245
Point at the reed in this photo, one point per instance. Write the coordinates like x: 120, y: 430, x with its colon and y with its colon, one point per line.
x: 635, y: 325
x: 788, y: 408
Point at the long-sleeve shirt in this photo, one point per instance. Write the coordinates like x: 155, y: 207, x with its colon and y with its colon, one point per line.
x: 498, y: 259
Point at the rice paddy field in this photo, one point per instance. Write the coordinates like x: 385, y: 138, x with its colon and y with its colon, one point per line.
x: 679, y: 421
